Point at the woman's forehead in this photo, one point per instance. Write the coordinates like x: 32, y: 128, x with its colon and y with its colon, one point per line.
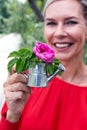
x: 64, y: 9
x: 66, y: 5
x: 49, y: 2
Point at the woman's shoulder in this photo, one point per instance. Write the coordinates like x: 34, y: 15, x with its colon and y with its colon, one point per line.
x: 59, y: 82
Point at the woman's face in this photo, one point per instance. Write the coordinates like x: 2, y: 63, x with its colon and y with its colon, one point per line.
x: 65, y: 29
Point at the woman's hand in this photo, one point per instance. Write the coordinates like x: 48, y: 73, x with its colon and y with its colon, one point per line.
x: 16, y: 95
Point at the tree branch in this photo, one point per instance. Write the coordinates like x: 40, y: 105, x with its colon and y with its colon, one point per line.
x: 36, y: 10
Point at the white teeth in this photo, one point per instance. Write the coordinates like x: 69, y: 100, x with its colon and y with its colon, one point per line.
x: 62, y: 45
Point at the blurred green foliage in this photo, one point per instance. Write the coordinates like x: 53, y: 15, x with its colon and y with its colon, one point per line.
x: 20, y: 18
x: 3, y: 15
x: 24, y: 21
x: 85, y: 54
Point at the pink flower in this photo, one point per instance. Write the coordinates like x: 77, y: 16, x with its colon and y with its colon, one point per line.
x: 44, y: 52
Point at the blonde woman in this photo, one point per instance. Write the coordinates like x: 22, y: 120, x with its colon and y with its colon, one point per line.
x: 63, y: 104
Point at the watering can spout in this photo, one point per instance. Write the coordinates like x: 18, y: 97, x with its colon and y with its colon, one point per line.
x: 60, y: 68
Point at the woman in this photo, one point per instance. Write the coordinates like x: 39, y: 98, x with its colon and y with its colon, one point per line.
x: 63, y: 104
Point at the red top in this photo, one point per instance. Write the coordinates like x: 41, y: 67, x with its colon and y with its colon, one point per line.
x: 60, y: 106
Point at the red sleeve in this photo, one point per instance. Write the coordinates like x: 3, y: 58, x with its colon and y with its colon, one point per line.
x: 5, y: 124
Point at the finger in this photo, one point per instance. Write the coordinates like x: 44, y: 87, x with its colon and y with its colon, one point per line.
x: 17, y: 87
x: 13, y: 71
x: 13, y: 96
x: 17, y: 78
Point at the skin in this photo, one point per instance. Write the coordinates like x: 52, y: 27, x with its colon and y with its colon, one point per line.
x: 66, y: 26
x: 16, y: 95
x: 59, y: 28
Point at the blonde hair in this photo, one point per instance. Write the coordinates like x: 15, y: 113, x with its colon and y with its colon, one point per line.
x: 48, y: 2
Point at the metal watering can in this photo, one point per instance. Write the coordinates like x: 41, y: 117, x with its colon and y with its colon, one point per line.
x: 37, y: 76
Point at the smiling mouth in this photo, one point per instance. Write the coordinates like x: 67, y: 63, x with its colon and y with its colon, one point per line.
x: 63, y: 45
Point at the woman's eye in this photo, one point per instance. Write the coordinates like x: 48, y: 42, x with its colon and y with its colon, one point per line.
x: 51, y: 23
x: 72, y: 22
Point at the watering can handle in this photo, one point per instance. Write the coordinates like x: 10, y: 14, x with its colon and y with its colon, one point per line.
x: 60, y: 68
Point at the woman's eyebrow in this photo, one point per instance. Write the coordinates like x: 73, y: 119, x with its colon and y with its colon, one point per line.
x: 67, y: 18
x: 72, y: 17
x: 49, y: 19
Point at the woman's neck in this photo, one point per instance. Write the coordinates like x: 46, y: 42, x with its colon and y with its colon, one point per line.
x: 75, y: 72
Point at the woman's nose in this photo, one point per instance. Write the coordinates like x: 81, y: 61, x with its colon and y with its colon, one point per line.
x: 60, y: 31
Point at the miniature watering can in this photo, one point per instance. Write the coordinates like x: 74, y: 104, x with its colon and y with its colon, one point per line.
x: 37, y: 76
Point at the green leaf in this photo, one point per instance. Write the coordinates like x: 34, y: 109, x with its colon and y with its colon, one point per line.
x: 56, y: 61
x: 33, y: 56
x: 20, y: 65
x: 14, y: 54
x: 10, y: 64
x: 49, y: 69
x: 24, y: 52
x: 26, y: 65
